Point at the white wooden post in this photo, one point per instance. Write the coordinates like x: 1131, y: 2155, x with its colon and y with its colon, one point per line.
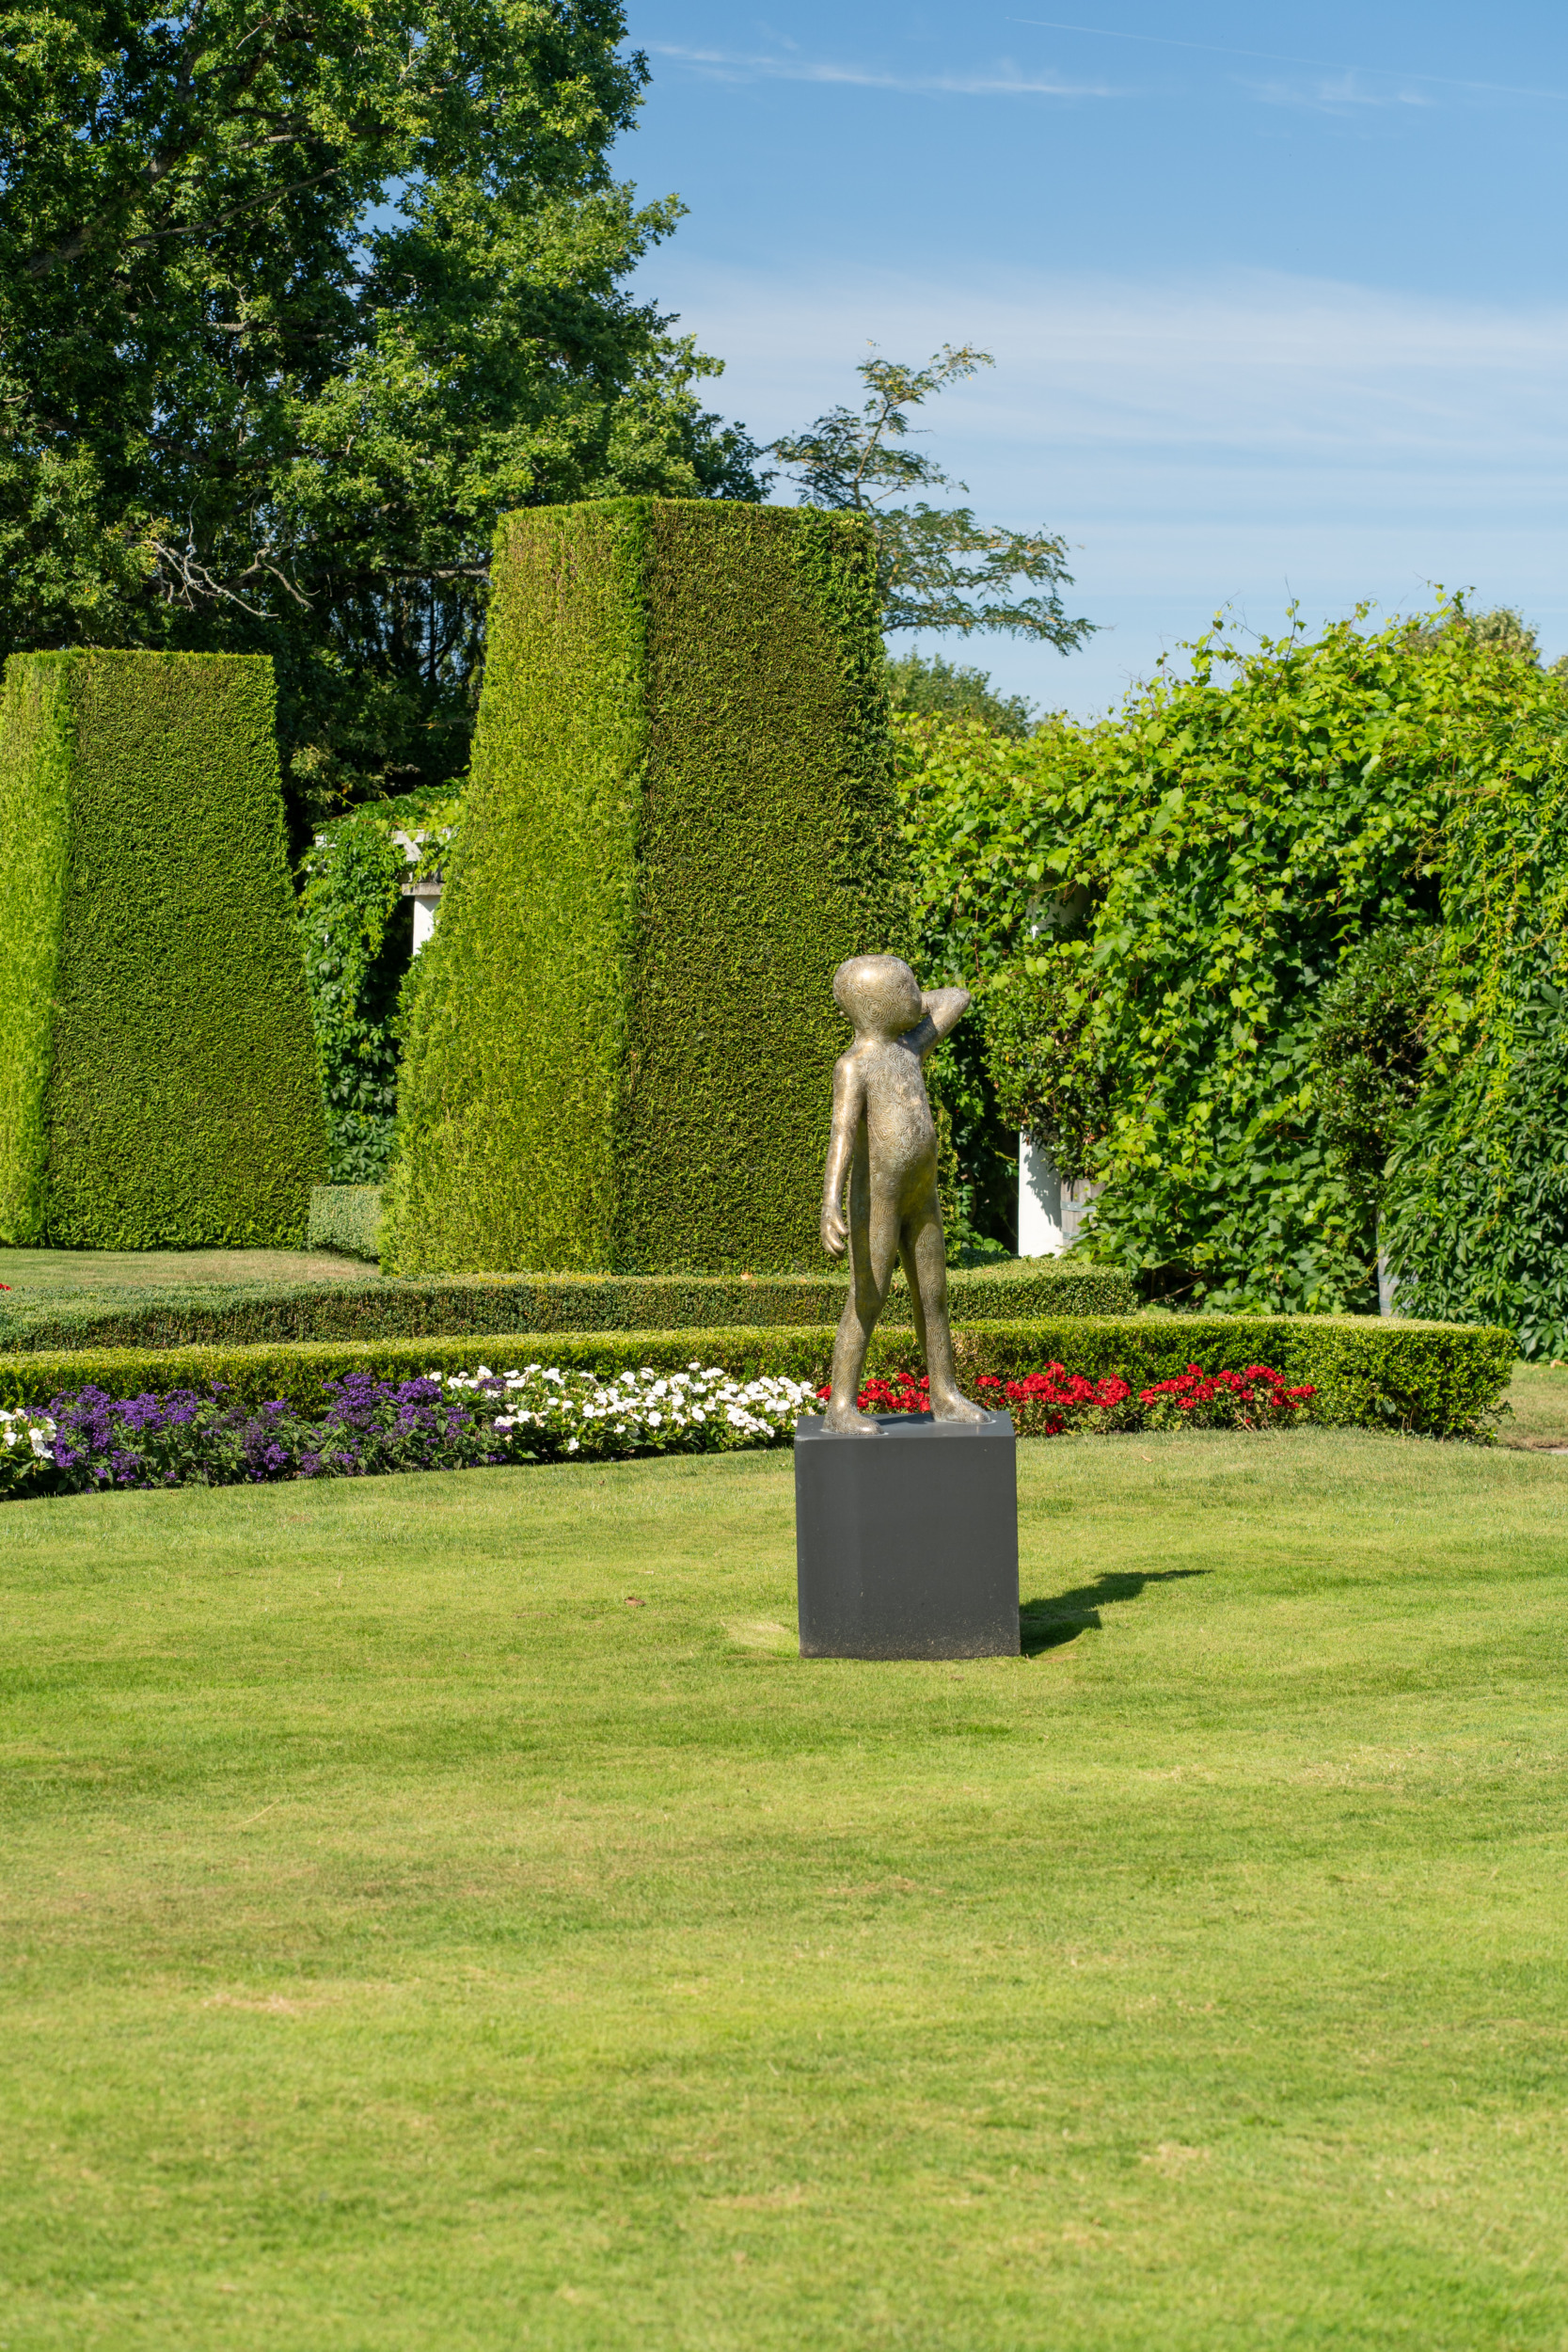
x: 1040, y: 1203
x: 425, y: 893
x: 1051, y: 1212
x: 425, y: 903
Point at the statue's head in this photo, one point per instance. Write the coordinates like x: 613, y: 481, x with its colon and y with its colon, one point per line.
x: 880, y: 994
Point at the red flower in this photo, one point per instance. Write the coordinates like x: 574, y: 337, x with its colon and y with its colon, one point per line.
x: 1055, y: 1399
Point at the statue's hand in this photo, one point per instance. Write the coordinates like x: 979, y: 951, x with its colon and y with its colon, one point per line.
x: 835, y: 1234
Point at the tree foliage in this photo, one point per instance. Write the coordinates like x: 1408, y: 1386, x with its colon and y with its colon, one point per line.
x: 926, y: 687
x: 292, y: 304
x: 1370, y: 1058
x: 938, y: 567
x: 1169, y: 890
x: 1048, y: 1063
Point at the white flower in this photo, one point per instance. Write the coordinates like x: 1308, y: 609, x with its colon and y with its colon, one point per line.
x: 36, y: 1429
x: 700, y: 1409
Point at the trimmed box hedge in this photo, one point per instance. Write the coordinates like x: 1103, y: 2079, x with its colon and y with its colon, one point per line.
x: 252, y: 1314
x: 1430, y: 1379
x: 680, y: 820
x: 158, y: 1081
x: 345, y: 1218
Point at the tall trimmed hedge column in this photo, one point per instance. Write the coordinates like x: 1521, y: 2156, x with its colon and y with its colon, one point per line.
x: 158, y: 1082
x: 680, y: 820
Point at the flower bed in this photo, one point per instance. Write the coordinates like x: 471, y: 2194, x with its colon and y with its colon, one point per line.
x: 459, y: 1421
x: 1046, y: 1402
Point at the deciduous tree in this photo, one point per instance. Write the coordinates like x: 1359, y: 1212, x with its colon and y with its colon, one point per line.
x: 295, y: 300
x: 940, y: 568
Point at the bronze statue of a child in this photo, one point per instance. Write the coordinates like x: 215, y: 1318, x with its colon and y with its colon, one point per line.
x: 884, y: 1139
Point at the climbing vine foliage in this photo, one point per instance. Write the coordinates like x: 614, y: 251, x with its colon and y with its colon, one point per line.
x: 353, y: 889
x: 359, y: 940
x: 1150, y: 907
x: 1475, y: 1203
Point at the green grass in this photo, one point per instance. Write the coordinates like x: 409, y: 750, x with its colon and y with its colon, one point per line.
x: 68, y: 1270
x: 411, y: 1944
x: 1538, y: 1396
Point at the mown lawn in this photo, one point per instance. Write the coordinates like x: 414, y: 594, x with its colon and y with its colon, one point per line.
x: 1538, y: 1406
x: 63, y: 1272
x: 410, y: 1942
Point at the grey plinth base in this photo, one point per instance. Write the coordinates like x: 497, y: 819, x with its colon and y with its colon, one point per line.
x: 906, y: 1545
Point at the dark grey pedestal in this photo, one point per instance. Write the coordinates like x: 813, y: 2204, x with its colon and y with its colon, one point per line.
x: 906, y: 1545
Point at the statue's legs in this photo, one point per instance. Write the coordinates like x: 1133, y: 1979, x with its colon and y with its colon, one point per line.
x: 873, y: 1254
x: 925, y: 1257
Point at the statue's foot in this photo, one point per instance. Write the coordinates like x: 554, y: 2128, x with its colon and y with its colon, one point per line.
x: 951, y: 1404
x: 848, y: 1420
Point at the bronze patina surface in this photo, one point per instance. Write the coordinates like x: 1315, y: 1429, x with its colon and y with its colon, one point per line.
x: 885, y: 1140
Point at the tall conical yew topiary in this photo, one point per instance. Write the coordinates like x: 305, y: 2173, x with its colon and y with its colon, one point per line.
x: 680, y: 819
x: 158, y: 1082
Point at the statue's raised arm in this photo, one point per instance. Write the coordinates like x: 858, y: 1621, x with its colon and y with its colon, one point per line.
x: 943, y: 1008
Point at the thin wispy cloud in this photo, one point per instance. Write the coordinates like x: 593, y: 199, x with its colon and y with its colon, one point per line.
x: 1271, y: 56
x: 729, y: 66
x: 1341, y: 95
x: 1241, y: 436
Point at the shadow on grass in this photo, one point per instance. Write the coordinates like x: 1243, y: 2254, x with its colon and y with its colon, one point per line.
x: 1047, y: 1624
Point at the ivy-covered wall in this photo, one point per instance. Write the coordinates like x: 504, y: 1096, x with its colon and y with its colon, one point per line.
x: 680, y: 819
x: 359, y: 940
x: 158, y: 1081
x: 1152, y: 907
x: 1474, y: 1214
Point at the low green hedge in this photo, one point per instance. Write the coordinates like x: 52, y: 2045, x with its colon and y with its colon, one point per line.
x: 345, y: 1218
x: 1432, y: 1379
x: 487, y: 1306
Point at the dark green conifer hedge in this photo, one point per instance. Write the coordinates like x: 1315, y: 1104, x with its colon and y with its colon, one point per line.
x: 345, y: 1218
x: 158, y: 1083
x: 680, y: 820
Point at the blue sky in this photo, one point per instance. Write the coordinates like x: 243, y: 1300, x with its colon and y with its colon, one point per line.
x: 1277, y: 302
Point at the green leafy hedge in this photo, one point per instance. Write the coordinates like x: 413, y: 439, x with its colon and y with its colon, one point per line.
x: 158, y: 1083
x: 680, y: 819
x: 359, y: 938
x: 1474, y: 1202
x: 345, y: 1218
x: 245, y: 1313
x: 359, y: 945
x: 1431, y: 1379
x: 1151, y: 903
